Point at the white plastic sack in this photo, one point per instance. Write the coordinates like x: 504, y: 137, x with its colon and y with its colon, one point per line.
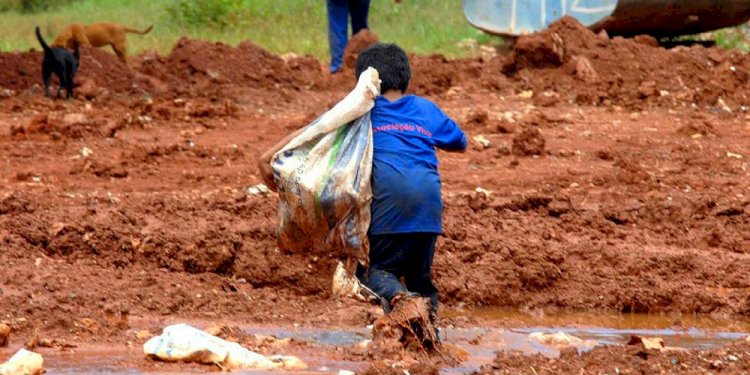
x: 324, y: 177
x: 23, y: 362
x: 181, y: 342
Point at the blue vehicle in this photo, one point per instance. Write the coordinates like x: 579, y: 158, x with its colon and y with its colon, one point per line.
x: 660, y: 18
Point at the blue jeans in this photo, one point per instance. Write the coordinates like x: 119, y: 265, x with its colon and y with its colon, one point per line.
x: 407, y: 255
x: 338, y: 25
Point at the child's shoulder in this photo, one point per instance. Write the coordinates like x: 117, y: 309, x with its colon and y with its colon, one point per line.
x: 423, y: 102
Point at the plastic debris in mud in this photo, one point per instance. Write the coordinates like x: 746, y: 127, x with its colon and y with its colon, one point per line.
x: 182, y: 342
x: 86, y: 152
x: 344, y: 284
x: 259, y: 189
x: 561, y: 340
x: 24, y: 362
x: 481, y: 142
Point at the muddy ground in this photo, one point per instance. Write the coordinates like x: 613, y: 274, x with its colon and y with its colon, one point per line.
x: 616, y: 170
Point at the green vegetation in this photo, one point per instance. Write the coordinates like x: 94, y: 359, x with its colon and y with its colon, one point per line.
x: 210, y: 13
x: 736, y: 37
x: 298, y: 26
x: 28, y: 6
x: 729, y: 38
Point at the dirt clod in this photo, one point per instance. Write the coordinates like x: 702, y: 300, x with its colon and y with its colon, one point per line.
x: 528, y: 142
x: 406, y: 328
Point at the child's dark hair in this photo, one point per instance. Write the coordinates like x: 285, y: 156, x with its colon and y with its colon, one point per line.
x: 391, y: 63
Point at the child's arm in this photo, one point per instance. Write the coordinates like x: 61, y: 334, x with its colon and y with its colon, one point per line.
x: 264, y: 163
x: 449, y: 136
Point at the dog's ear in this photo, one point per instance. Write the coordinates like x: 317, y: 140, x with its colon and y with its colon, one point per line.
x: 77, y: 53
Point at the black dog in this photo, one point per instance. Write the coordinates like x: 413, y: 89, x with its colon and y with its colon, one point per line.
x: 60, y: 61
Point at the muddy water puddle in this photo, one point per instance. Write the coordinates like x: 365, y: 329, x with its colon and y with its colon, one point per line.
x: 481, y: 342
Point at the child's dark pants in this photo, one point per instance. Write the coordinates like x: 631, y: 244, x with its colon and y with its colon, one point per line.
x: 407, y: 255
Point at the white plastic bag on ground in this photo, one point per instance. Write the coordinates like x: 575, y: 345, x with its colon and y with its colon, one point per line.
x: 324, y: 177
x: 181, y: 342
x: 23, y: 362
x: 561, y: 340
x: 345, y: 285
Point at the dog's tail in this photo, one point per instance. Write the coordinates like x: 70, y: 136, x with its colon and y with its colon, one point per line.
x: 134, y: 31
x: 45, y: 47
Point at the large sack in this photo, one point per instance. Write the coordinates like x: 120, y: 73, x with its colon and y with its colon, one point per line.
x: 324, y: 177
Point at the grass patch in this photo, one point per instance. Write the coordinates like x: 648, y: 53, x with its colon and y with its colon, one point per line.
x: 30, y: 6
x: 729, y: 38
x: 298, y: 26
x: 736, y: 37
x: 206, y: 13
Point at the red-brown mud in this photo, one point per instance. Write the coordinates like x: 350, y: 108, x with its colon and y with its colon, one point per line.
x: 129, y: 203
x: 732, y: 359
x: 405, y: 329
x: 596, y: 70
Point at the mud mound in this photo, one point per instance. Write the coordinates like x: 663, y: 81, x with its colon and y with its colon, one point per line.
x: 23, y: 70
x: 358, y: 43
x: 436, y: 74
x: 198, y: 62
x: 20, y: 70
x: 552, y: 47
x: 105, y: 70
x: 570, y: 59
x: 223, y: 63
x: 307, y: 72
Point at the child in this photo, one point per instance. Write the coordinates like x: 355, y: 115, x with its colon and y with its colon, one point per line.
x: 406, y: 206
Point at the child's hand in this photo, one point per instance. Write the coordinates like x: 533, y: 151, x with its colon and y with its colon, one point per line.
x: 369, y: 81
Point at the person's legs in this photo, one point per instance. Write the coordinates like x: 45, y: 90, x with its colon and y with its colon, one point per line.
x: 418, y: 272
x: 359, y: 10
x: 388, y: 254
x: 338, y: 24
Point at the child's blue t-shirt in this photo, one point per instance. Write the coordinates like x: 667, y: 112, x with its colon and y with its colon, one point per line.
x: 405, y: 179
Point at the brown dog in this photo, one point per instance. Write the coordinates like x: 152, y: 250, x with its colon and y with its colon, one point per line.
x: 97, y: 35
